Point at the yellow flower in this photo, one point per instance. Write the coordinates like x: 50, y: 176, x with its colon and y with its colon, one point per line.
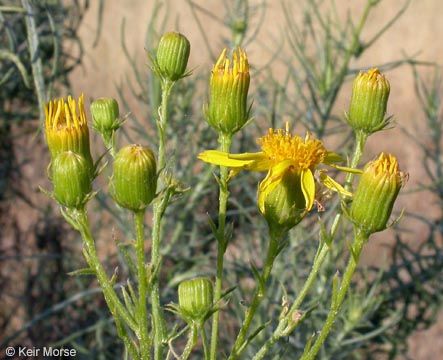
x: 284, y: 154
x: 376, y: 193
x: 66, y: 128
x: 227, y: 111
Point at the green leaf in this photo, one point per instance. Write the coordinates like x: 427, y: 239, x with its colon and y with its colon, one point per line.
x: 82, y: 272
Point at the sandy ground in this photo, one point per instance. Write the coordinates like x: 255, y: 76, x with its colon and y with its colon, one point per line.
x: 418, y: 33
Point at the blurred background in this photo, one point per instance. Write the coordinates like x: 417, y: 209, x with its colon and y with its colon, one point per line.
x: 303, y: 55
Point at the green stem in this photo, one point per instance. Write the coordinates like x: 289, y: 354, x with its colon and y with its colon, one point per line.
x: 225, y: 145
x: 79, y: 220
x: 286, y: 323
x: 192, y: 340
x: 102, y: 277
x: 360, y: 142
x: 159, y: 327
x: 162, y: 123
x: 338, y: 298
x: 142, y: 316
x: 205, y: 342
x: 110, y: 142
x: 259, y: 295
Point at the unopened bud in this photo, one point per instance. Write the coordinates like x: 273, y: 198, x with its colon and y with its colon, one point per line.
x: 172, y: 55
x: 195, y: 298
x: 105, y: 115
x: 369, y: 101
x: 134, y: 178
x: 228, y: 111
x: 376, y: 193
x: 71, y: 179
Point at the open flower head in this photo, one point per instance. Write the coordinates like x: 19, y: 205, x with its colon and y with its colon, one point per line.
x: 66, y: 127
x: 288, y: 160
x: 228, y: 111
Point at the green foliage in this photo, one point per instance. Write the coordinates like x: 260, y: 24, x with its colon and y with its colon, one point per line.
x: 384, y: 306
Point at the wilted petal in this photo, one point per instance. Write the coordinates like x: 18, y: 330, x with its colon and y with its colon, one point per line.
x: 333, y: 185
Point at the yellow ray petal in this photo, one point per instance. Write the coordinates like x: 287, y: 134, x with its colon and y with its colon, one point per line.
x: 308, y: 188
x: 347, y: 169
x: 333, y: 185
x: 223, y: 158
x: 249, y: 161
x: 261, y: 161
x: 247, y: 156
x: 272, y: 179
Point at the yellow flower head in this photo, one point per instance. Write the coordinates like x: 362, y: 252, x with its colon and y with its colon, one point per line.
x: 227, y: 110
x: 66, y: 127
x: 227, y: 70
x: 376, y: 193
x: 279, y: 145
x: 288, y: 159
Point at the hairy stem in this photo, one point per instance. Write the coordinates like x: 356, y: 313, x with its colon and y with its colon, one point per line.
x: 192, y: 340
x: 142, y: 316
x: 204, y: 342
x: 159, y: 327
x: 260, y: 290
x: 338, y: 298
x: 118, y: 311
x: 225, y: 145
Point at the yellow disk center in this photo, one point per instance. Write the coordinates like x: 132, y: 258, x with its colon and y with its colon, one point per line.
x: 279, y: 145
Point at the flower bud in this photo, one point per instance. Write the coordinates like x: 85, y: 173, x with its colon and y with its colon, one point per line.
x: 369, y: 100
x: 376, y: 193
x: 134, y: 178
x: 105, y: 115
x: 71, y: 179
x: 66, y: 128
x: 228, y: 111
x: 172, y: 55
x: 285, y: 205
x: 195, y: 298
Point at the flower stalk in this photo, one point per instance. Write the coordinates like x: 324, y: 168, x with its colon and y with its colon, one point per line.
x: 222, y: 242
x: 338, y: 298
x: 286, y: 324
x: 190, y: 344
x: 79, y: 220
x: 169, y: 65
x: 142, y: 316
x: 160, y: 205
x: 274, y: 249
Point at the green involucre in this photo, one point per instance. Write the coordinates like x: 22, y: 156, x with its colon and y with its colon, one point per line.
x: 105, y: 115
x: 375, y: 195
x: 369, y: 101
x: 195, y: 298
x: 285, y: 206
x: 172, y: 55
x: 228, y: 110
x: 70, y: 175
x: 134, y: 179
